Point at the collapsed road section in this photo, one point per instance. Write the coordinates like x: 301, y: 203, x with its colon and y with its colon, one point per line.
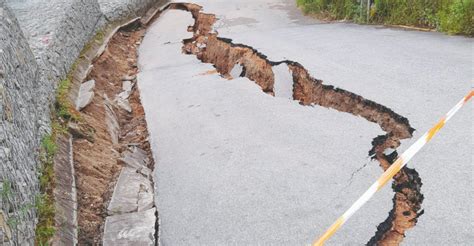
x: 225, y: 55
x: 233, y: 61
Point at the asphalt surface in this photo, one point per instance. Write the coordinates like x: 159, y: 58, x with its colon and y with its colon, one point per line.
x: 236, y: 166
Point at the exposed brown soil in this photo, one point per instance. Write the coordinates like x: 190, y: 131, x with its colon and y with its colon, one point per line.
x: 224, y: 55
x: 96, y: 162
x: 407, y: 200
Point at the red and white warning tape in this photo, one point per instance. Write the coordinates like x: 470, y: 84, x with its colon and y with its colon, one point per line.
x: 390, y: 172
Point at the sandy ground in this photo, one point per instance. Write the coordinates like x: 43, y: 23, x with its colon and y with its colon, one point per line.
x: 236, y: 166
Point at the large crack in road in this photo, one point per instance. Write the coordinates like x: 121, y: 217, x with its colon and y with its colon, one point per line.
x: 225, y: 55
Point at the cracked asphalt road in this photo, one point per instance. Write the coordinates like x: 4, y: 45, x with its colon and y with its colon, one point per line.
x: 236, y: 166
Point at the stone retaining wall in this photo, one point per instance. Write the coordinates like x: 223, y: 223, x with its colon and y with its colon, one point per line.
x: 39, y: 43
x: 19, y: 76
x: 119, y: 9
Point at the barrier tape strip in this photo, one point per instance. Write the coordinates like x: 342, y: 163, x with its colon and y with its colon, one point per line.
x: 390, y: 172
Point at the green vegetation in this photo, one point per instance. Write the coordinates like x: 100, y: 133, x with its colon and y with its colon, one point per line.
x: 332, y: 9
x: 63, y: 107
x: 45, y: 228
x: 44, y: 203
x: 450, y: 16
x: 6, y: 190
x: 63, y: 112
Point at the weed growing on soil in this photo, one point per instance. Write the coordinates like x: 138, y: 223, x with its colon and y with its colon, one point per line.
x: 45, y: 229
x: 44, y: 203
x: 63, y: 107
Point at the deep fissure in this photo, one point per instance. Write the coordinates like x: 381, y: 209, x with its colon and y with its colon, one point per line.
x: 224, y: 55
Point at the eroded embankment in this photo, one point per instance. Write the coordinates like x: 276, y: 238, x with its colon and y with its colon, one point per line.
x: 225, y: 55
x: 119, y: 135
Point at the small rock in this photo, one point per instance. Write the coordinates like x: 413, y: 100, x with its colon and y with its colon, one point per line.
x: 127, y: 87
x: 129, y: 78
x: 123, y: 104
x: 236, y: 71
x: 86, y: 94
x: 124, y: 95
x: 388, y: 151
x: 84, y: 99
x: 88, y: 86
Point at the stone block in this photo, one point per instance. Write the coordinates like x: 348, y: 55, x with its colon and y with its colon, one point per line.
x: 126, y: 197
x: 130, y: 229
x: 86, y: 94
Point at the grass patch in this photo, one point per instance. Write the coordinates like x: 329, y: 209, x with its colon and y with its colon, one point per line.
x: 45, y: 228
x: 44, y: 203
x: 63, y: 112
x: 63, y: 106
x: 449, y: 16
x: 332, y: 9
